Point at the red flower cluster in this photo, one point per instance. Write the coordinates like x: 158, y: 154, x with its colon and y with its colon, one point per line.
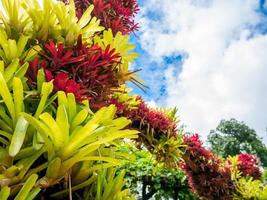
x: 62, y: 82
x: 115, y: 14
x: 152, y: 118
x: 248, y: 165
x: 121, y: 107
x: 88, y: 72
x: 145, y: 118
x: 98, y: 70
x: 206, y: 175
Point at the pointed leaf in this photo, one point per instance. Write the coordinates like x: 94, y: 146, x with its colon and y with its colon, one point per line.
x: 11, y: 69
x: 40, y: 79
x: 85, y: 19
x: 21, y: 44
x: 33, y: 193
x: 18, y: 95
x: 4, y: 193
x: 27, y: 186
x: 18, y: 136
x: 4, y: 92
x: 63, y: 122
x: 47, y: 89
x: 79, y: 118
x: 56, y: 133
x: 20, y: 73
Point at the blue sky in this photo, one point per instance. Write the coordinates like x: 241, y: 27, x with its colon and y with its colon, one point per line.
x: 207, y: 57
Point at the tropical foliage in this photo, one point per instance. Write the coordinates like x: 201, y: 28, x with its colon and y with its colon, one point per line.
x: 146, y: 177
x: 70, y: 127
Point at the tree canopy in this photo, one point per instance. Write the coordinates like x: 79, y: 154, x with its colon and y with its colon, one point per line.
x: 232, y: 137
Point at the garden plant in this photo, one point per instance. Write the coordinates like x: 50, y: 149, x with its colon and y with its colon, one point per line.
x: 70, y: 128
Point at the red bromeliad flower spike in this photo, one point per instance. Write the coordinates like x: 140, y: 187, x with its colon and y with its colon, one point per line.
x: 206, y: 174
x: 58, y: 56
x: 97, y: 72
x: 54, y: 59
x: 115, y: 14
x: 92, y: 69
x: 145, y: 117
x: 63, y: 83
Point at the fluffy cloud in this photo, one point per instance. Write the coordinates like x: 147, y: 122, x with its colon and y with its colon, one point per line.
x: 225, y: 67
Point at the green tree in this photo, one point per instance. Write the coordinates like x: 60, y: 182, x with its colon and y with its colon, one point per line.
x: 150, y: 179
x: 232, y: 137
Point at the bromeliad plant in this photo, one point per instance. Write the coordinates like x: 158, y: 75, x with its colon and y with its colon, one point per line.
x: 63, y: 70
x: 158, y: 127
x: 115, y: 14
x: 52, y: 63
x: 65, y: 111
x: 211, y: 177
x: 208, y: 177
x: 245, y: 173
x: 74, y: 136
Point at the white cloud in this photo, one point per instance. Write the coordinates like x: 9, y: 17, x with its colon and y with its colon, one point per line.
x: 224, y: 75
x: 152, y: 104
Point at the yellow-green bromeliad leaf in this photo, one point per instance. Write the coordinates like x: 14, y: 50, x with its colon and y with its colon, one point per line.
x: 11, y: 49
x: 27, y: 192
x: 14, y: 19
x: 120, y: 43
x: 125, y: 49
x: 77, y: 137
x: 18, y: 136
x: 54, y: 20
x: 14, y: 126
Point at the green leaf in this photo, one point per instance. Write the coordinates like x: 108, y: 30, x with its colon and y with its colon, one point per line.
x: 6, y: 134
x: 11, y: 69
x: 72, y: 106
x: 110, y: 113
x: 18, y: 95
x: 121, y: 122
x: 63, y: 123
x: 78, y: 137
x: 79, y: 118
x: 38, y: 141
x: 18, y: 136
x: 26, y: 163
x: 33, y: 194
x: 32, y: 52
x: 27, y: 186
x: 20, y: 73
x: 2, y: 66
x: 85, y: 19
x: 24, y: 153
x: 21, y: 44
x: 42, y: 129
x: 5, y: 117
x: 4, y: 193
x: 6, y: 127
x: 54, y: 168
x: 62, y: 99
x: 4, y: 92
x: 47, y: 89
x: 56, y: 133
x: 40, y: 79
x: 77, y: 187
x: 12, y: 49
